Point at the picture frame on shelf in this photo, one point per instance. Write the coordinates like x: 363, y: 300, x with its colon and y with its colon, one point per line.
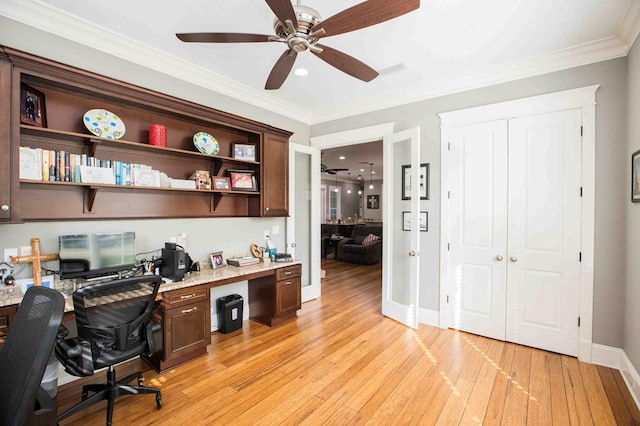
x: 243, y: 151
x: 635, y: 177
x: 424, y: 182
x: 406, y: 221
x: 242, y: 180
x: 221, y: 182
x: 217, y: 260
x: 32, y: 106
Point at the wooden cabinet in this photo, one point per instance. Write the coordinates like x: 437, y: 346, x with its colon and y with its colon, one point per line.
x: 275, y: 299
x: 186, y: 327
x: 275, y: 177
x: 6, y: 318
x: 70, y: 92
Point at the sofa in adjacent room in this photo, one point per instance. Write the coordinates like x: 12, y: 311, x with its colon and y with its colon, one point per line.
x: 363, y: 247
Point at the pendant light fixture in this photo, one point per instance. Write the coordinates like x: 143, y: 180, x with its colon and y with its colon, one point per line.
x: 360, y: 185
x: 371, y: 175
x: 349, y: 183
x: 336, y: 188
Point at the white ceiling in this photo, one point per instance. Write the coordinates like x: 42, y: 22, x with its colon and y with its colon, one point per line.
x: 445, y: 46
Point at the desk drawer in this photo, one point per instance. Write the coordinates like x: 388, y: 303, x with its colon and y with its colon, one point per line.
x: 288, y: 272
x: 176, y: 298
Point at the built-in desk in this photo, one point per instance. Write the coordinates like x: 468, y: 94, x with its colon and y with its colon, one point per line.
x: 184, y: 307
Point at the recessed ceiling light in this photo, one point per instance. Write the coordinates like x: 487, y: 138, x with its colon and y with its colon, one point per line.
x: 342, y: 157
x: 301, y: 72
x: 362, y: 170
x: 373, y: 173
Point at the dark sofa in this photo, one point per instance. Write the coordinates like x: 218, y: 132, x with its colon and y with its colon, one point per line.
x: 353, y: 250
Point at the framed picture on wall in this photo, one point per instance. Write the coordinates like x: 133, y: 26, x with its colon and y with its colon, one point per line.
x: 406, y: 221
x: 373, y: 201
x: 424, y: 182
x: 635, y: 177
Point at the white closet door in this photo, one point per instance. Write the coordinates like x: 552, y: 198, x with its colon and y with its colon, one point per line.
x: 478, y: 232
x: 544, y: 231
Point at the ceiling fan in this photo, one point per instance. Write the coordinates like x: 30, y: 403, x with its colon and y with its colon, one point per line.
x: 328, y: 170
x: 301, y: 27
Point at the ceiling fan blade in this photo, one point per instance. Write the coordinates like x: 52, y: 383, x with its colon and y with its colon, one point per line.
x: 283, y: 9
x: 281, y: 70
x: 364, y: 15
x: 224, y: 37
x: 346, y: 63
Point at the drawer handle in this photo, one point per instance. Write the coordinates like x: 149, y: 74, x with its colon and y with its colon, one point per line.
x: 186, y: 311
x: 187, y: 296
x: 288, y: 283
x: 288, y: 272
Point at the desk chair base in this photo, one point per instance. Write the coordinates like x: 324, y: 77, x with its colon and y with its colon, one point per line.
x: 110, y: 391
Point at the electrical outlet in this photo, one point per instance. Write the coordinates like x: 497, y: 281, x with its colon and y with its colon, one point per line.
x: 8, y: 253
x: 275, y: 229
x: 25, y: 251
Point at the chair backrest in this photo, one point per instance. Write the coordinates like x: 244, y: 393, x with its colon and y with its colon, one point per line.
x: 26, y: 351
x: 115, y: 317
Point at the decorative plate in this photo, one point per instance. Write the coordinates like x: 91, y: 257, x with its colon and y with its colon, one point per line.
x: 103, y: 123
x: 206, y: 144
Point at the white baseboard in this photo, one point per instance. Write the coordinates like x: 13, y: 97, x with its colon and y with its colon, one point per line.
x: 616, y: 358
x: 429, y: 317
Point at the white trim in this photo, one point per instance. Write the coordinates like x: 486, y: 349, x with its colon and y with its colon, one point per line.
x: 313, y: 290
x: 428, y: 317
x: 608, y: 356
x: 629, y: 28
x: 583, y: 98
x: 352, y: 137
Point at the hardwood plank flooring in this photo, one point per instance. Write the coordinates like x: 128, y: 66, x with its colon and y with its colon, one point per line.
x: 342, y: 363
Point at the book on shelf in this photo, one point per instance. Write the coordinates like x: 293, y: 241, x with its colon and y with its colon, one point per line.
x: 243, y: 261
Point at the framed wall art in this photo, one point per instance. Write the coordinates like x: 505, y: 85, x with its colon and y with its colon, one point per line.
x: 373, y: 201
x: 635, y: 177
x: 424, y: 182
x: 406, y: 221
x: 32, y: 107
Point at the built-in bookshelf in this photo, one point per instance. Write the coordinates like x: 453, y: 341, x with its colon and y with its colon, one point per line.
x: 65, y: 148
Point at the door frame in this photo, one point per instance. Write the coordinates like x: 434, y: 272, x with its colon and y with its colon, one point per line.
x: 313, y: 290
x: 582, y: 98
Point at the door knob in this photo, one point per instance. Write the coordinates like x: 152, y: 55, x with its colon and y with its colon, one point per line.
x: 514, y: 259
x: 412, y: 253
x: 4, y: 208
x: 499, y: 258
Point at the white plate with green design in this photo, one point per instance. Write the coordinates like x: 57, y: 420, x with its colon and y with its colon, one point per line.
x: 104, y: 124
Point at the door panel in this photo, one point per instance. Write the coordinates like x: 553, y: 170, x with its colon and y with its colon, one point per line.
x: 478, y: 235
x: 544, y: 231
x: 400, y: 268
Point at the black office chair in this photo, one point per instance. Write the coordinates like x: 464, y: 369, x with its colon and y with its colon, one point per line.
x: 24, y: 357
x: 115, y: 323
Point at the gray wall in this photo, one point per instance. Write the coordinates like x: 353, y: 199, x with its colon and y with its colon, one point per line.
x: 632, y: 295
x: 611, y: 185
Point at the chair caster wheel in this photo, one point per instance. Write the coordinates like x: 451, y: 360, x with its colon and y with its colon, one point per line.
x: 159, y: 401
x: 140, y: 381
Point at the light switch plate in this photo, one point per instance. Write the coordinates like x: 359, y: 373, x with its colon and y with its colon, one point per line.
x: 25, y: 251
x: 8, y: 252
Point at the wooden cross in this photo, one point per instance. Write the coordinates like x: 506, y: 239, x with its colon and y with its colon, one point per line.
x: 35, y: 259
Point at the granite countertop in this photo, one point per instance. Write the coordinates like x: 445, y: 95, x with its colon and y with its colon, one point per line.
x: 13, y: 295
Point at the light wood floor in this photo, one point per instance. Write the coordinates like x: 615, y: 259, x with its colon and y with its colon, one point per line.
x: 342, y: 363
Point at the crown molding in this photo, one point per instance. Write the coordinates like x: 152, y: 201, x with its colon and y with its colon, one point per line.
x: 588, y: 53
x: 629, y: 27
x: 52, y: 20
